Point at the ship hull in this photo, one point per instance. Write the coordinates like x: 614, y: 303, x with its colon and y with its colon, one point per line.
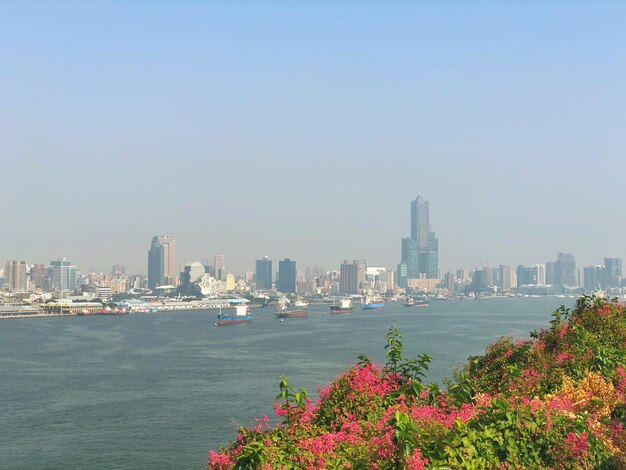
x: 374, y: 306
x: 416, y: 305
x: 233, y: 320
x: 298, y: 313
x: 337, y: 310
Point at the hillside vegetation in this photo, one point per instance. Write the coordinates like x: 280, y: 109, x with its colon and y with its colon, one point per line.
x: 554, y: 400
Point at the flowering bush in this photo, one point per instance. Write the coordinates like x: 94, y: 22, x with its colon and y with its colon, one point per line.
x: 555, y: 400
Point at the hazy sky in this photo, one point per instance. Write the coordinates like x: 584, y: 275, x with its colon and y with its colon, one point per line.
x: 304, y: 129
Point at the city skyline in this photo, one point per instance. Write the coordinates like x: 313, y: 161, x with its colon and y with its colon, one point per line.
x: 128, y: 132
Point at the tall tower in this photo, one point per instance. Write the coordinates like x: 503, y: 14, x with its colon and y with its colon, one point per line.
x: 264, y: 273
x: 420, y: 253
x: 286, y: 282
x: 218, y: 267
x: 162, y: 261
x: 15, y: 273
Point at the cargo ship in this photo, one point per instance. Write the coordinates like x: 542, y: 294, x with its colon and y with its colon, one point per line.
x: 242, y: 314
x: 411, y: 302
x: 283, y: 312
x: 372, y: 304
x: 345, y: 306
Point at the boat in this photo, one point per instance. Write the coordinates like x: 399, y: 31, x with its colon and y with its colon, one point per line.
x: 242, y: 314
x: 109, y: 311
x: 371, y: 304
x: 411, y: 302
x: 283, y: 312
x: 301, y: 303
x: 345, y: 306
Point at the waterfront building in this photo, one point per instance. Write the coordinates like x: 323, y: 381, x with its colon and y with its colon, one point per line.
x: 551, y: 272
x: 190, y: 275
x: 504, y: 278
x: 348, y: 277
x: 612, y: 275
x: 15, y: 275
x: 61, y: 275
x: 286, y: 282
x: 565, y: 269
x: 37, y: 276
x: 263, y: 273
x: 402, y: 274
x: 540, y: 274
x: 230, y: 282
x: 593, y: 277
x: 162, y: 261
x: 449, y: 281
x: 420, y: 252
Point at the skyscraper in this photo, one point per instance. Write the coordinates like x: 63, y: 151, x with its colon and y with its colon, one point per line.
x: 162, y: 261
x: 286, y: 282
x: 420, y: 253
x: 264, y: 273
x: 348, y: 277
x: 612, y: 276
x: 61, y: 275
x: 565, y: 269
x: 15, y: 274
x: 218, y: 267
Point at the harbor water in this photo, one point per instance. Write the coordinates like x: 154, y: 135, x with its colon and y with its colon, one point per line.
x: 159, y: 390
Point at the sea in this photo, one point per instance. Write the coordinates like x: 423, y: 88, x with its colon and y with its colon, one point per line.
x: 160, y: 390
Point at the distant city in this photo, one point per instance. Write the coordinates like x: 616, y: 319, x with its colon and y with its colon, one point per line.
x: 25, y: 288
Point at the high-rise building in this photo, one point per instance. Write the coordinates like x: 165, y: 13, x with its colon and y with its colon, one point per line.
x: 540, y: 274
x: 286, y: 282
x: 551, y: 272
x: 162, y: 261
x: 348, y: 277
x: 402, y: 274
x: 61, y: 275
x: 219, y: 271
x: 263, y: 273
x: 593, y: 276
x: 420, y: 253
x: 15, y: 274
x: 504, y: 278
x: 38, y: 276
x: 612, y: 276
x: 565, y: 269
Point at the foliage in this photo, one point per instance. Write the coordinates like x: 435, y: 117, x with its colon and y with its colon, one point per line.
x: 554, y: 400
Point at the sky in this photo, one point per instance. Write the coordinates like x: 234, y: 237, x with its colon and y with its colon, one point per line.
x: 304, y: 130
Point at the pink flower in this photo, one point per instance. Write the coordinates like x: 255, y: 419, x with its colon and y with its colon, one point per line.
x: 415, y: 461
x: 564, y: 357
x: 508, y: 354
x: 219, y: 461
x: 576, y: 445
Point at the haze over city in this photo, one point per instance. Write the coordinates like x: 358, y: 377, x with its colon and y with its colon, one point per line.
x: 305, y: 130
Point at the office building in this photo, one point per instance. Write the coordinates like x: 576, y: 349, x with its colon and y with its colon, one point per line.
x: 612, y: 275
x: 348, y: 277
x: 593, y: 277
x: 61, y: 275
x: 219, y: 271
x: 15, y: 274
x: 162, y: 261
x: 263, y: 273
x: 37, y: 276
x: 565, y: 269
x: 286, y: 282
